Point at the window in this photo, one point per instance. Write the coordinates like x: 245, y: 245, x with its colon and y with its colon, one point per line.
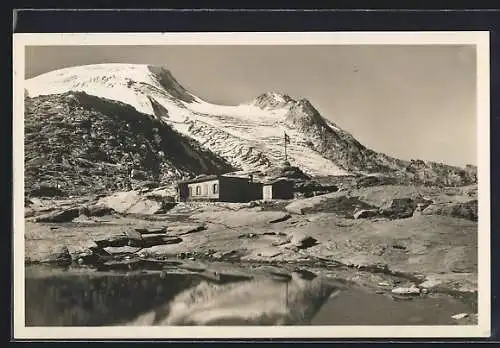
x: 198, y: 190
x: 190, y: 191
x: 215, y: 188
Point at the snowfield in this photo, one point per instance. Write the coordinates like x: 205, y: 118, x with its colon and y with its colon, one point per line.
x: 250, y: 136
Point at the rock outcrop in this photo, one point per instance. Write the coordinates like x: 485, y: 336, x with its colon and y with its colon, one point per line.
x: 466, y: 210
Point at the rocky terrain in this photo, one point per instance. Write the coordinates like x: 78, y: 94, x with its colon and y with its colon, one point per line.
x: 76, y: 143
x: 403, y: 241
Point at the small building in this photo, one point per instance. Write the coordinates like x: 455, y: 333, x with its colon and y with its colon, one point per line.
x: 280, y: 188
x: 219, y: 188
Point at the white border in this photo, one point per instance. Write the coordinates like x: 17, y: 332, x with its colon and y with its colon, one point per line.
x: 479, y: 39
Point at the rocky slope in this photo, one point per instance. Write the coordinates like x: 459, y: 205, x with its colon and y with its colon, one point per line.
x: 248, y: 136
x: 87, y: 144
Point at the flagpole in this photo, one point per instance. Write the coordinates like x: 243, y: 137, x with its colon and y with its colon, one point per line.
x: 285, y: 147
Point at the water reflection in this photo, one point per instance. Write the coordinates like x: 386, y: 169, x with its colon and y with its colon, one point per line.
x: 140, y: 298
x: 266, y: 301
x: 86, y: 299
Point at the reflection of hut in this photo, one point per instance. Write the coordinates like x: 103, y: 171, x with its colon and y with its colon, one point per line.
x: 219, y: 188
x: 280, y: 188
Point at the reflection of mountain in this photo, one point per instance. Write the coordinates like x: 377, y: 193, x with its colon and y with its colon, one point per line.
x: 55, y: 298
x: 256, y: 302
x: 248, y: 136
x: 60, y: 298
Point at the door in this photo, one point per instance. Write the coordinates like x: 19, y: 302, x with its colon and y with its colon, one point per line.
x: 267, y: 193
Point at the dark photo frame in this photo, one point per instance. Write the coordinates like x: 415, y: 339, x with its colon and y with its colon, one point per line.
x: 52, y: 47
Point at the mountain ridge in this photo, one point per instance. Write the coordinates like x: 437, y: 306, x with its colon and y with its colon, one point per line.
x: 249, y: 136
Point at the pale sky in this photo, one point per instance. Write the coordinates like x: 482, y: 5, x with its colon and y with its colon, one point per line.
x: 406, y: 101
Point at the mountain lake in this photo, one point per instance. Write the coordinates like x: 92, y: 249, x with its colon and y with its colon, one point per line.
x: 81, y: 297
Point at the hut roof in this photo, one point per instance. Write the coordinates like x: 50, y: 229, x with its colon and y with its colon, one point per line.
x: 203, y: 178
x: 199, y: 179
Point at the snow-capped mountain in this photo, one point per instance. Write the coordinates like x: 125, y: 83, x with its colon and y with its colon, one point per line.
x: 249, y: 136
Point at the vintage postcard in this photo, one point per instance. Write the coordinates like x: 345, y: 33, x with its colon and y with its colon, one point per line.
x: 251, y: 185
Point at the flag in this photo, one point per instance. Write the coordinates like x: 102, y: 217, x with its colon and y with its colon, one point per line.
x: 287, y: 139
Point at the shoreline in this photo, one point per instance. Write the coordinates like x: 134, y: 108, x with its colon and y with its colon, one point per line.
x: 365, y: 285
x: 373, y: 278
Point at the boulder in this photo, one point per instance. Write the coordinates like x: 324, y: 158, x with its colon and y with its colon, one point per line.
x: 422, y: 202
x: 217, y: 255
x: 280, y: 241
x: 134, y: 238
x: 281, y: 218
x: 233, y: 255
x: 122, y: 250
x: 249, y: 205
x: 58, y: 254
x: 28, y: 212
x: 86, y: 258
x: 418, y: 210
x: 100, y: 252
x: 460, y: 316
x: 139, y: 175
x: 93, y: 256
x: 185, y: 229
x: 268, y: 252
x: 465, y: 210
x: 66, y: 215
x: 365, y: 213
x: 46, y: 190
x: 116, y: 240
x: 152, y: 230
x: 398, y: 208
x: 297, y: 207
x: 166, y: 206
x: 159, y: 239
x: 302, y: 241
x: 123, y: 264
x: 301, y: 206
x: 413, y: 290
x: 97, y: 210
x: 248, y: 236
x: 81, y: 246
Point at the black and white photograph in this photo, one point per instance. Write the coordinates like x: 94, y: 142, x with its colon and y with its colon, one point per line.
x: 248, y: 184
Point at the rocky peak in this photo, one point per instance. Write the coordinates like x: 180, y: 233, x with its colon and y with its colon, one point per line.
x: 272, y: 100
x: 304, y: 115
x: 168, y: 81
x: 306, y: 105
